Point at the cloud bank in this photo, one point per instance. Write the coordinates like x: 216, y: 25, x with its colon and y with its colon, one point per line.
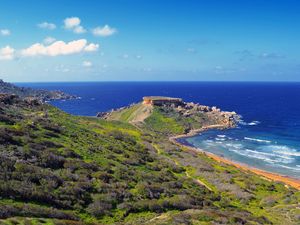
x: 57, y: 48
x: 60, y: 48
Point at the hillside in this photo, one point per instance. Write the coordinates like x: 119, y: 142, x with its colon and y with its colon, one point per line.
x: 169, y: 119
x: 62, y: 169
x: 43, y: 95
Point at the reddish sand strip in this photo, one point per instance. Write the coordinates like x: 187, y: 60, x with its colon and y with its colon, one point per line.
x: 293, y: 182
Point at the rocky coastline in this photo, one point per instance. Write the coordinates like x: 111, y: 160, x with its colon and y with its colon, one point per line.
x: 26, y: 92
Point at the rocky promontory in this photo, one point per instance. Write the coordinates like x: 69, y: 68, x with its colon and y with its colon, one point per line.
x: 187, y: 115
x: 23, y: 92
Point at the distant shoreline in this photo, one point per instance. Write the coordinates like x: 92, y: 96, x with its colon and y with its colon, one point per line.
x: 293, y: 182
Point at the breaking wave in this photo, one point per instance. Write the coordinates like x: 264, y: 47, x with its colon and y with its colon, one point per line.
x: 290, y: 168
x: 253, y: 123
x: 267, y: 157
x: 221, y: 136
x: 220, y: 139
x: 283, y: 150
x: 257, y: 140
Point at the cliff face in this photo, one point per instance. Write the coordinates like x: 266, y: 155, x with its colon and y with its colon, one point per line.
x: 43, y: 95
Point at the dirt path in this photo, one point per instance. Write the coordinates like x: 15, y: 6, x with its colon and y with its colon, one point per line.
x: 142, y: 113
x: 198, y: 181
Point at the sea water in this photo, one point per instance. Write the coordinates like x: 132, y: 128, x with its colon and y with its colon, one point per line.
x: 268, y: 137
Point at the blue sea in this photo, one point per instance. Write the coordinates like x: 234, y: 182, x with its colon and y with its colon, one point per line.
x: 268, y: 137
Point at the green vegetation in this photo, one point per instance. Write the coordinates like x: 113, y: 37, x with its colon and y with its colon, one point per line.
x: 61, y: 169
x: 160, y: 123
x: 168, y: 121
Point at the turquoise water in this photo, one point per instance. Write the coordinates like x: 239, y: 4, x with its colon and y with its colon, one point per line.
x: 263, y: 150
x: 268, y: 138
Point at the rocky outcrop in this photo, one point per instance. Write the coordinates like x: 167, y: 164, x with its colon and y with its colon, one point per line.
x: 102, y: 114
x: 228, y: 119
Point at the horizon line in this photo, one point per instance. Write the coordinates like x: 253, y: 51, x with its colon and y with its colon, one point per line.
x: 154, y: 81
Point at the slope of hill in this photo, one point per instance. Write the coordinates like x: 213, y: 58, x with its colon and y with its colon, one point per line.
x: 61, y: 169
x: 8, y: 88
x: 169, y: 119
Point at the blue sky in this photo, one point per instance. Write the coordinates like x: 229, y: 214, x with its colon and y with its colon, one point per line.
x: 139, y: 40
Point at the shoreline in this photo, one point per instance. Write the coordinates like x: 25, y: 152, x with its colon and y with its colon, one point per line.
x: 290, y: 181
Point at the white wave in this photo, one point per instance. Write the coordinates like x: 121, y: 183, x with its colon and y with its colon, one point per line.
x: 209, y: 143
x: 289, y: 153
x: 253, y: 123
x: 242, y: 122
x: 267, y: 157
x: 220, y: 139
x: 257, y: 140
x: 289, y: 167
x: 270, y: 154
x: 221, y: 135
x: 282, y: 149
x: 234, y: 145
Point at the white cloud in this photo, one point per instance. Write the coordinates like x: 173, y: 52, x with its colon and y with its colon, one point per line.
x: 7, y: 53
x: 5, y: 32
x: 46, y: 25
x: 104, y: 31
x: 73, y: 23
x: 138, y: 56
x: 91, y: 47
x: 87, y: 63
x: 79, y: 30
x: 49, y: 40
x: 60, y: 48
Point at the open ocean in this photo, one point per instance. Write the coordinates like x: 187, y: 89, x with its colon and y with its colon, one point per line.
x: 268, y: 138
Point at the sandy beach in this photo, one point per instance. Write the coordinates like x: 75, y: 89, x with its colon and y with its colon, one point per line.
x: 293, y: 182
